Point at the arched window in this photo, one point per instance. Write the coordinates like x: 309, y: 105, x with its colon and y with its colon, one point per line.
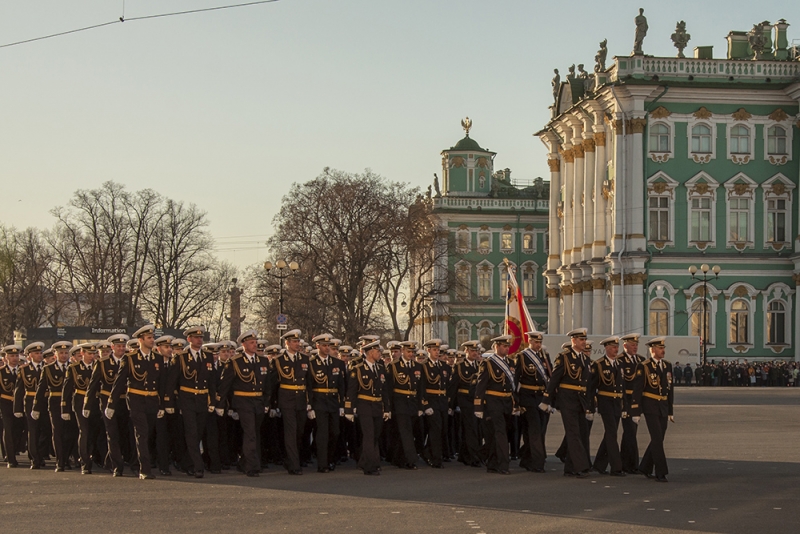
x: 484, y: 282
x: 484, y: 242
x: 659, y: 317
x: 659, y: 138
x: 503, y: 282
x: 527, y: 243
x: 776, y: 141
x: 701, y: 139
x: 740, y: 312
x: 776, y: 323
x: 462, y: 281
x: 701, y: 326
x: 462, y: 240
x: 485, y: 334
x: 740, y: 140
x: 462, y: 333
x: 529, y: 271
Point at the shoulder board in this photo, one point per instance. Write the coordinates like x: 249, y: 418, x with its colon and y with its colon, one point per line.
x: 238, y: 356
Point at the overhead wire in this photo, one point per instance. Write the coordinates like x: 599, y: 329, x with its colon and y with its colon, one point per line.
x: 143, y: 17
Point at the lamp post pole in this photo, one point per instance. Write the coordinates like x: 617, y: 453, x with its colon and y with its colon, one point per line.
x: 704, y: 269
x: 281, y: 270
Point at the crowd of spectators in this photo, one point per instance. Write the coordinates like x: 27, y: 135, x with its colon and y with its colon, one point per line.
x: 777, y: 373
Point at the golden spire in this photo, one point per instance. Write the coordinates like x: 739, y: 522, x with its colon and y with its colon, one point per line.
x: 466, y: 124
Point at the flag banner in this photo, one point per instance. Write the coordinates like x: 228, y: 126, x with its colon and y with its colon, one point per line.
x: 518, y: 320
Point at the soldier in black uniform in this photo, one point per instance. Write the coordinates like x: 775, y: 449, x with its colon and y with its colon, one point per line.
x: 570, y: 381
x: 100, y: 384
x: 436, y: 381
x: 223, y: 429
x: 495, y: 402
x: 75, y: 403
x: 328, y: 390
x: 404, y: 378
x: 368, y: 399
x: 24, y: 395
x: 533, y: 372
x: 140, y: 377
x: 51, y: 385
x: 192, y: 377
x: 629, y: 360
x: 465, y: 376
x: 290, y: 396
x: 11, y: 425
x: 247, y: 378
x: 607, y: 388
x: 169, y: 427
x: 653, y: 396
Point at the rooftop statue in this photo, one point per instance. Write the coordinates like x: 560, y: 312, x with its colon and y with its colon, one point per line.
x: 587, y: 81
x: 556, y: 83
x: 756, y: 40
x: 641, y: 32
x: 436, y: 185
x: 680, y: 38
x: 600, y: 57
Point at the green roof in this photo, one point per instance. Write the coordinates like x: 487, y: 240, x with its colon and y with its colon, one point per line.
x: 468, y: 144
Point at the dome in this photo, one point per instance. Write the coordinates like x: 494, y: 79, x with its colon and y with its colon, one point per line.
x: 467, y: 143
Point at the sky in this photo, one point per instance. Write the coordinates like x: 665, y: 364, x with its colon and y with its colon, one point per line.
x: 226, y: 109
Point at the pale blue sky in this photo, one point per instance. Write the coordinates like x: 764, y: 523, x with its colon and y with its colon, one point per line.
x: 226, y: 109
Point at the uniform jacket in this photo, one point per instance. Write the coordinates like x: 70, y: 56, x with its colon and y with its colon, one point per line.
x: 28, y: 377
x: 76, y: 386
x: 291, y: 383
x: 244, y: 382
x: 532, y: 385
x: 571, y: 374
x: 142, y: 380
x: 629, y: 363
x: 367, y: 391
x: 493, y: 389
x: 51, y: 385
x: 191, y: 380
x: 405, y: 385
x: 652, y: 388
x: 436, y: 377
x: 465, y: 376
x: 103, y: 376
x: 607, y: 387
x: 328, y: 384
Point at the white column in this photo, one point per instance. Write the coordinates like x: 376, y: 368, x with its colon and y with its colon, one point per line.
x: 568, y: 218
x: 566, y: 292
x: 635, y: 185
x: 599, y: 244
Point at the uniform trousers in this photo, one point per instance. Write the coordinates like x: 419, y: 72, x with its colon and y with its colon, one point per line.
x: 38, y: 448
x: 251, y: 414
x: 608, y: 453
x: 629, y: 449
x: 11, y: 427
x: 437, y: 426
x: 655, y: 455
x: 89, y: 430
x: 194, y: 415
x: 497, y: 422
x: 469, y: 449
x: 532, y: 453
x: 326, y: 436
x: 114, y: 459
x: 211, y: 442
x: 144, y: 429
x: 576, y: 431
x: 370, y: 457
x: 294, y: 424
x: 406, y: 453
x: 57, y: 424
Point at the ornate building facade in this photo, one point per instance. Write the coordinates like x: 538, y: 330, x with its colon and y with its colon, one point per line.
x: 661, y: 163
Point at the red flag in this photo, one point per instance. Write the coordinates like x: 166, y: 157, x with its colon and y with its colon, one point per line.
x: 518, y: 319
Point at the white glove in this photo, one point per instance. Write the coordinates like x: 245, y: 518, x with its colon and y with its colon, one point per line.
x: 544, y: 407
x: 387, y: 416
x: 341, y: 412
x: 311, y: 414
x: 552, y: 410
x: 589, y: 416
x: 18, y: 415
x: 515, y: 411
x: 449, y: 411
x: 429, y: 411
x: 479, y: 415
x: 109, y: 413
x: 169, y: 410
x: 220, y: 411
x: 419, y: 413
x: 350, y: 418
x: 309, y: 408
x: 210, y: 408
x: 458, y: 409
x: 234, y: 415
x: 35, y: 415
x: 273, y: 413
x: 278, y: 412
x: 66, y: 416
x: 635, y: 419
x: 86, y: 414
x: 160, y: 414
x: 624, y: 414
x: 671, y: 418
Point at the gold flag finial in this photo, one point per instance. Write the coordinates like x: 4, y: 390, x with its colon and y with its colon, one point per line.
x: 466, y: 124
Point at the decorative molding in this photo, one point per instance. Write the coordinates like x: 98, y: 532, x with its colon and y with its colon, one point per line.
x: 660, y: 112
x: 742, y: 115
x: 578, y: 151
x: 482, y: 162
x: 740, y: 160
x: 778, y: 115
x: 588, y: 145
x: 566, y: 289
x: 701, y: 188
x: 702, y: 113
x: 484, y: 227
x: 778, y: 160
x: 568, y: 155
x: 552, y: 292
x: 660, y: 157
x: 457, y: 162
x: 600, y: 138
x: 598, y: 283
x: 638, y: 125
x: 554, y: 164
x: 701, y: 158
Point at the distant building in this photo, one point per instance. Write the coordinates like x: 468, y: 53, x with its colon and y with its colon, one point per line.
x: 488, y: 217
x: 661, y: 163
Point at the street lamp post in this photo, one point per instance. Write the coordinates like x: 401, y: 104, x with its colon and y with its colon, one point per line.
x: 281, y: 270
x: 704, y: 277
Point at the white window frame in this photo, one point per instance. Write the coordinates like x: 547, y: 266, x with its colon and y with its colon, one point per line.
x: 463, y: 231
x: 532, y: 268
x: 783, y: 293
x: 711, y: 194
x: 482, y: 327
x: 732, y: 294
x: 512, y: 236
x: 533, y: 234
x: 659, y: 156
x: 779, y: 159
x: 691, y: 297
x: 751, y: 137
x: 460, y: 326
x: 668, y: 191
x: 701, y: 157
x: 663, y: 290
x: 488, y: 234
x: 487, y: 267
x: 748, y: 191
x: 463, y: 266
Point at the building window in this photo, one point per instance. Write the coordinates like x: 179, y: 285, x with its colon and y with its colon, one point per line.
x: 740, y: 140
x: 484, y: 282
x: 528, y: 243
x: 740, y: 312
x: 776, y: 220
x: 659, y: 317
x: 462, y: 241
x: 659, y: 218
x: 484, y: 242
x: 739, y: 219
x: 701, y: 139
x: 659, y: 138
x: 462, y: 282
x: 485, y: 334
x: 462, y: 333
x: 698, y: 321
x: 776, y: 323
x: 528, y: 282
x: 471, y: 179
x: 506, y: 242
x: 701, y: 219
x: 776, y: 141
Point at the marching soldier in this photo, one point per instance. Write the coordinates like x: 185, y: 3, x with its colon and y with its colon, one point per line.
x: 140, y: 377
x: 367, y: 398
x: 247, y: 377
x: 192, y: 377
x: 74, y: 403
x: 24, y: 395
x: 653, y: 396
x: 533, y: 372
x: 51, y: 385
x: 290, y: 396
x: 495, y: 402
x: 629, y: 360
x: 169, y: 430
x: 221, y: 432
x: 328, y: 390
x: 11, y: 424
x: 436, y: 380
x: 607, y: 387
x: 570, y: 379
x: 465, y: 376
x: 100, y: 384
x: 407, y: 393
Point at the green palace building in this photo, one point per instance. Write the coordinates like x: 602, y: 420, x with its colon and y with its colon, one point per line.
x: 658, y: 164
x: 488, y: 217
